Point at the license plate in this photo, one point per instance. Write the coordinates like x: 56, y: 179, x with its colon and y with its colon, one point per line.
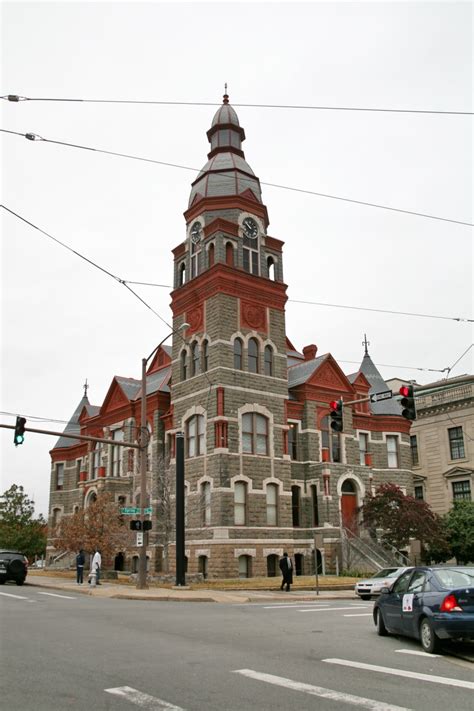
x: 2, y: 569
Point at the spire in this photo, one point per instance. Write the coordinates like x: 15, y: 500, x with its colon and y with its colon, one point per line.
x: 85, y: 388
x: 366, y: 343
x: 225, y: 98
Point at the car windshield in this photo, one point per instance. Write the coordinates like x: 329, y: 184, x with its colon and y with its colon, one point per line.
x: 455, y: 577
x: 385, y: 573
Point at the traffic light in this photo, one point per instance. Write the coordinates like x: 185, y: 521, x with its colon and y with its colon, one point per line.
x: 336, y: 415
x: 135, y: 525
x: 408, y: 402
x: 19, y: 436
x: 146, y: 525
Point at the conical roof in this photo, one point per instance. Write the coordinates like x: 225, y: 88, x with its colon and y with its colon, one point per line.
x: 378, y: 385
x: 73, y: 426
x: 226, y: 172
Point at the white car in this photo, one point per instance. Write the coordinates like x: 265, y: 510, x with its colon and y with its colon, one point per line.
x: 384, y: 578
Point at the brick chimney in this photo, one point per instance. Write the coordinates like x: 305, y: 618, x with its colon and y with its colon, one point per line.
x: 310, y: 351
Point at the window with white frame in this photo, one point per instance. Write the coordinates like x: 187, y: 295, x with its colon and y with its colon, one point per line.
x: 238, y: 350
x: 184, y: 364
x: 206, y: 503
x: 253, y: 355
x: 250, y: 255
x: 254, y: 433
x: 195, y: 251
x: 195, y: 358
x: 240, y: 503
x: 363, y: 446
x: 96, y: 460
x: 330, y: 440
x: 419, y: 494
x: 456, y: 442
x: 195, y: 435
x: 392, y: 451
x: 268, y: 360
x: 272, y: 504
x: 414, y: 450
x: 116, y: 464
x: 78, y: 469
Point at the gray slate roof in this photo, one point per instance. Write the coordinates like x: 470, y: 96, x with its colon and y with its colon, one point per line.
x: 378, y: 385
x: 225, y: 114
x: 298, y: 374
x: 73, y: 426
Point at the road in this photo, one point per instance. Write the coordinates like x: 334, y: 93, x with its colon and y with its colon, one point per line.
x: 61, y: 650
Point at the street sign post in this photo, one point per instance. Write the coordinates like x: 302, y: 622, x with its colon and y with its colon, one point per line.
x: 385, y: 395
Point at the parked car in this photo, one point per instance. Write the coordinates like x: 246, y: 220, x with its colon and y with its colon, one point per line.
x: 382, y: 579
x: 429, y: 603
x: 13, y: 566
x: 38, y: 564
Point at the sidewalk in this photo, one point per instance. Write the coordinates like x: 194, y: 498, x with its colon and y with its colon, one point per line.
x: 119, y: 591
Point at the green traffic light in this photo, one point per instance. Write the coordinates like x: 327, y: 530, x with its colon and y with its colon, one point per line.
x: 19, y: 439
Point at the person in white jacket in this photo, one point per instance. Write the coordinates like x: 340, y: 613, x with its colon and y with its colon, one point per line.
x: 95, y: 565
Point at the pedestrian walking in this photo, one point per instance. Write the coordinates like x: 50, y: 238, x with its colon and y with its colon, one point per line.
x: 80, y: 560
x: 286, y: 567
x: 96, y: 565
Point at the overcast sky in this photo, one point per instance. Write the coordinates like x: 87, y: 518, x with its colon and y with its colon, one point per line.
x: 63, y: 321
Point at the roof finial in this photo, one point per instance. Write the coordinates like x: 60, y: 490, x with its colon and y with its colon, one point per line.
x: 226, y: 96
x: 366, y: 343
x: 85, y: 388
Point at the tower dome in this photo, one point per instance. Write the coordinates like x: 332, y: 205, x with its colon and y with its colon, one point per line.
x: 226, y: 172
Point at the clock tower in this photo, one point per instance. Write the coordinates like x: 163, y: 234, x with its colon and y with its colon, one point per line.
x: 229, y: 381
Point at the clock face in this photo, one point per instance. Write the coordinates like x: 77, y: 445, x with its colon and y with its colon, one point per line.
x: 196, y: 232
x: 250, y: 228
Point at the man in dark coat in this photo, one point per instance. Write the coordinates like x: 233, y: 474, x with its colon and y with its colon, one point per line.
x: 80, y: 560
x: 286, y: 567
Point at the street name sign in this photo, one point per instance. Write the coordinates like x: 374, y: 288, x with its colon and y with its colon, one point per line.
x: 147, y: 511
x: 130, y: 511
x: 385, y: 395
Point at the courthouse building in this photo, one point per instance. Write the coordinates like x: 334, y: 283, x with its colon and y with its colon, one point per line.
x: 264, y: 471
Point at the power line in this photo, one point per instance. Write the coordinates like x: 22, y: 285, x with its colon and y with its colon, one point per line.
x: 35, y: 418
x: 16, y: 98
x: 126, y: 284
x: 460, y: 358
x: 35, y: 137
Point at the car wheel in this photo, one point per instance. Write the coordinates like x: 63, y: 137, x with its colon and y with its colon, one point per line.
x: 380, y: 624
x: 16, y: 567
x: 20, y: 581
x: 2, y: 581
x: 364, y: 597
x: 429, y: 641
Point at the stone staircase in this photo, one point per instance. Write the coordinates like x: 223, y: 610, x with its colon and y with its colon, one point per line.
x: 364, y: 553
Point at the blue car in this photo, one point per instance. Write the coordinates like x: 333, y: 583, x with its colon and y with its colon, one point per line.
x: 429, y: 603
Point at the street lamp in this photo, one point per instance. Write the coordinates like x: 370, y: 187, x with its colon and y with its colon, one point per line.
x: 141, y: 580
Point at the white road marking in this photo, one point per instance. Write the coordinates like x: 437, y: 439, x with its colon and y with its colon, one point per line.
x: 360, y: 614
x: 67, y: 597
x: 331, y: 609
x: 419, y: 653
x: 320, y: 691
x: 140, y: 699
x: 402, y: 672
x: 18, y: 597
x: 281, y: 605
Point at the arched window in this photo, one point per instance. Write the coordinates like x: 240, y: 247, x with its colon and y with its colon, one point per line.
x: 272, y: 504
x: 238, y: 350
x: 229, y: 254
x: 254, y: 434
x: 205, y: 356
x: 181, y: 274
x: 195, y: 435
x: 210, y: 255
x: 206, y: 503
x: 268, y: 360
x: 295, y: 504
x: 56, y: 517
x: 271, y: 268
x: 184, y: 364
x: 253, y: 355
x: 250, y: 253
x: 348, y: 487
x: 272, y: 565
x: 245, y: 566
x: 195, y: 365
x: 240, y: 503
x: 195, y: 250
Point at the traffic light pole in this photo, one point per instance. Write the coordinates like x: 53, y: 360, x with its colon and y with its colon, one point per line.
x: 180, y: 528
x: 141, y: 580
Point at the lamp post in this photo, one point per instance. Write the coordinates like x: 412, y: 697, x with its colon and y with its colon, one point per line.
x: 144, y: 439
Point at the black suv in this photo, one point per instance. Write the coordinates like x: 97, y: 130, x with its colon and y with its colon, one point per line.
x: 13, y: 566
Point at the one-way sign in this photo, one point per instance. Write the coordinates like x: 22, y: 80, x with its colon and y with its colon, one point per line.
x: 386, y: 395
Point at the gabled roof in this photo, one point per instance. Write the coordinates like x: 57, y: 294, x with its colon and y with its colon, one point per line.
x: 73, y: 426
x: 302, y: 371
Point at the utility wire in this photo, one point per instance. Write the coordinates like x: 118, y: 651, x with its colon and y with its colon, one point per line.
x: 35, y: 418
x: 460, y: 358
x: 36, y: 137
x: 16, y: 98
x: 391, y: 365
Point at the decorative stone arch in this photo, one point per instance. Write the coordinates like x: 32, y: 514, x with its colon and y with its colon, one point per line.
x: 272, y: 480
x: 205, y: 479
x: 350, y: 502
x: 57, y: 513
x: 90, y: 496
x: 244, y: 478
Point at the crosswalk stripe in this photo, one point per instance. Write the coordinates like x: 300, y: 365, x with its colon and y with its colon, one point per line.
x: 320, y: 691
x: 360, y: 614
x: 140, y: 699
x: 331, y: 609
x: 67, y: 597
x: 418, y: 653
x: 18, y: 597
x: 404, y: 673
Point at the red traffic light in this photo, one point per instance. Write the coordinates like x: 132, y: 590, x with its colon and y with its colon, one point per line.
x: 334, y: 404
x: 404, y: 391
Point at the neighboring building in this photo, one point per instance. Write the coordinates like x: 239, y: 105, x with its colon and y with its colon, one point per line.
x: 442, y: 442
x: 264, y: 470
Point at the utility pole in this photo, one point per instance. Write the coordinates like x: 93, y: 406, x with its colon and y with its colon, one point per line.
x: 180, y: 548
x: 144, y: 440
